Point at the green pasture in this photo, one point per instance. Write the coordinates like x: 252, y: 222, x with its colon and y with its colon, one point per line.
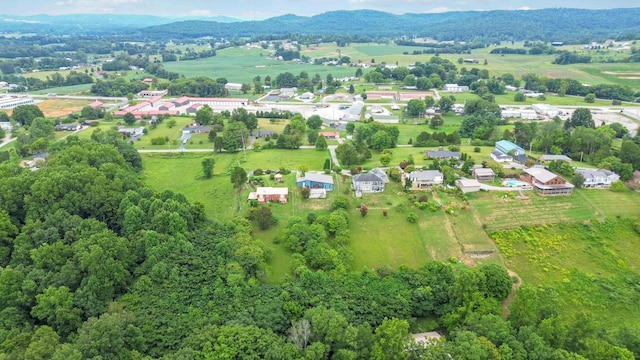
x: 275, y: 159
x: 183, y: 173
x: 242, y: 65
x: 66, y: 90
x: 496, y: 212
x: 162, y: 130
x: 591, y: 266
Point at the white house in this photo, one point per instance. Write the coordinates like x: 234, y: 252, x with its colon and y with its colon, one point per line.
x: 454, y: 88
x: 233, y: 86
x: 598, y: 178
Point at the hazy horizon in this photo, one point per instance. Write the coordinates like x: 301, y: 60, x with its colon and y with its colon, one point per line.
x: 260, y: 9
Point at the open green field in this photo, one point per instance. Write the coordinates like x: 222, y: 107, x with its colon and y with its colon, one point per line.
x: 242, y: 65
x: 183, y: 173
x: 239, y: 63
x: 592, y: 267
x: 162, y: 130
x: 583, y: 205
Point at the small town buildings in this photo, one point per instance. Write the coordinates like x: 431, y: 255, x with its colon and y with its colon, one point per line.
x: 527, y: 114
x: 9, y: 102
x: 167, y: 106
x: 233, y: 86
x: 288, y: 93
x: 423, y: 179
x: 508, y: 148
x: 131, y: 131
x: 195, y: 128
x: 500, y: 157
x: 68, y: 127
x: 598, y: 178
x: 371, y: 182
x: 454, y: 88
x: 546, y: 110
x: 277, y: 177
x: 510, y: 113
x: 270, y: 194
x: 263, y: 133
x: 330, y: 134
x: 182, y: 101
x: 547, y: 183
x: 468, y: 185
x: 316, y: 181
x: 193, y: 109
x: 96, y: 105
x: 443, y: 155
x: 484, y: 174
x: 547, y: 158
x: 381, y: 94
x: 405, y: 96
x: 152, y: 93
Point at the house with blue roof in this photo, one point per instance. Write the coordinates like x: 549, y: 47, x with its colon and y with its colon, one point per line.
x: 316, y: 181
x: 508, y: 148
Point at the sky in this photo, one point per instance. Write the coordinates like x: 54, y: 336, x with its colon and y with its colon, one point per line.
x: 260, y: 9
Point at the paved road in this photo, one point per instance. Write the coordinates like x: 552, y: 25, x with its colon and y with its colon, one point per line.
x: 332, y: 150
x: 176, y: 151
x: 498, y: 188
x: 7, y: 139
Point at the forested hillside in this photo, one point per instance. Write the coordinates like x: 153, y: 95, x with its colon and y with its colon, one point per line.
x: 95, y: 265
x: 568, y: 25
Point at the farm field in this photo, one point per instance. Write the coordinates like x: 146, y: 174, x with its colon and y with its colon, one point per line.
x: 239, y: 64
x: 242, y: 65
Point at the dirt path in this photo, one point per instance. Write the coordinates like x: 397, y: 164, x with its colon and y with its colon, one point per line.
x: 509, y: 299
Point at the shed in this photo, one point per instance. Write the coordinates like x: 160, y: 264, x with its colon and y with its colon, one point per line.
x: 468, y: 185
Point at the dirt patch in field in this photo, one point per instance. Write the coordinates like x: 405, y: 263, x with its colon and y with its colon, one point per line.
x: 621, y: 72
x: 61, y: 107
x: 630, y: 77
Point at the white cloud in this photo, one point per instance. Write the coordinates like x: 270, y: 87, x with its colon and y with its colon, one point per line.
x: 439, y: 9
x: 202, y: 12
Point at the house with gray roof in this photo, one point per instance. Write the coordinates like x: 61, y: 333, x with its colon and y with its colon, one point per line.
x: 484, y: 174
x: 500, y: 157
x: 367, y: 183
x: 439, y: 154
x: 381, y: 174
x: 425, y: 178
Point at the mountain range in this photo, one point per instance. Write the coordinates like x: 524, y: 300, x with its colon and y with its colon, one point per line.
x: 557, y: 24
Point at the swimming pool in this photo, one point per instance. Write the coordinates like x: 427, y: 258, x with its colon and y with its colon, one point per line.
x: 515, y: 183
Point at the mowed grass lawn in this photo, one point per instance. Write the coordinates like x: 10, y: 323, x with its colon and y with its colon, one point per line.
x: 183, y: 173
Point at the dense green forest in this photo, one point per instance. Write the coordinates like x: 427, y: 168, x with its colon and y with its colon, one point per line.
x: 95, y: 265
